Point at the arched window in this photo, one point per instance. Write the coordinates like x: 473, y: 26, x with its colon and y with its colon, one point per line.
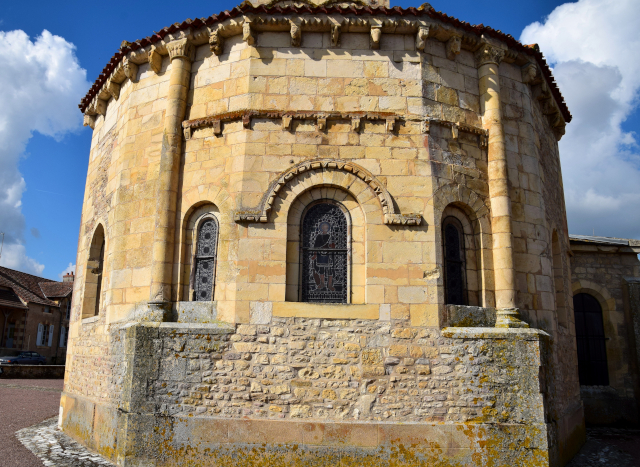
x: 592, y: 352
x: 454, y: 262
x: 325, y: 252
x: 92, y: 298
x: 205, y: 260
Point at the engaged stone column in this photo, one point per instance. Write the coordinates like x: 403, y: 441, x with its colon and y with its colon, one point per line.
x: 181, y: 53
x: 488, y: 58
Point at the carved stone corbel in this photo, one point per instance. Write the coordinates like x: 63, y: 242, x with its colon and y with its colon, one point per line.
x: 89, y: 120
x: 296, y: 32
x: 101, y: 107
x: 130, y: 70
x: 247, y: 33
x: 390, y: 124
x: 246, y: 120
x: 488, y: 53
x: 355, y: 124
x: 181, y: 48
x: 541, y: 92
x: 453, y: 47
x: 335, y: 35
x: 529, y: 73
x: 286, y: 122
x: 455, y: 131
x: 425, y: 126
x: 421, y: 38
x: 217, y: 127
x: 113, y: 89
x: 216, y: 42
x: 322, y: 123
x: 187, y: 133
x: 155, y: 60
x: 376, y: 34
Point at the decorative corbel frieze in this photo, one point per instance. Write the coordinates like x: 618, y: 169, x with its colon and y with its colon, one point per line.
x: 453, y: 47
x: 487, y: 54
x: 247, y: 33
x: 286, y: 122
x: 376, y: 34
x: 89, y: 120
x: 335, y: 35
x: 155, y: 60
x: 355, y: 124
x: 113, y: 89
x: 130, y: 70
x: 216, y: 42
x: 296, y: 32
x: 181, y: 48
x: 322, y: 123
x: 390, y: 124
x: 421, y: 38
x: 529, y: 73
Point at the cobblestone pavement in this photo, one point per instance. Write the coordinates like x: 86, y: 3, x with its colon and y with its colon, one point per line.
x: 613, y: 447
x: 24, y: 402
x: 55, y: 448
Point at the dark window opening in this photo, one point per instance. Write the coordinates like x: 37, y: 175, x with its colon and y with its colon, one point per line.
x: 98, y: 273
x: 324, y: 255
x: 590, y: 339
x: 454, y: 262
x: 205, y: 261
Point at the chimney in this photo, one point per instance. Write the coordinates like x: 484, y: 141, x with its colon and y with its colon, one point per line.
x: 68, y: 277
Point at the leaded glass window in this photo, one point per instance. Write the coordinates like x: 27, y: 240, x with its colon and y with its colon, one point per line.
x: 454, y: 262
x: 324, y: 254
x: 205, y: 260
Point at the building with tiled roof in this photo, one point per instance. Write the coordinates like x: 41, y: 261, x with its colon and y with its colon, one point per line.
x: 320, y: 232
x: 34, y: 314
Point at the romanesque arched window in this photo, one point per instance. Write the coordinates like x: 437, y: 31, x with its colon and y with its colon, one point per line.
x: 590, y: 338
x: 205, y: 260
x: 92, y: 299
x: 454, y: 262
x: 324, y: 253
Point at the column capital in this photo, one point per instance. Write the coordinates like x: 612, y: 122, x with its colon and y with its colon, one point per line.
x: 488, y: 53
x: 181, y: 48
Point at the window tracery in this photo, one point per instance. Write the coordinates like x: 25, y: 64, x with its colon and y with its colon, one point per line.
x: 205, y: 260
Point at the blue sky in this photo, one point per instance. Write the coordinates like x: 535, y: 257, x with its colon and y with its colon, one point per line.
x: 54, y: 167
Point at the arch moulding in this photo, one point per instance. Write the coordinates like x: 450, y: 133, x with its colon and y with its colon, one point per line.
x: 391, y: 215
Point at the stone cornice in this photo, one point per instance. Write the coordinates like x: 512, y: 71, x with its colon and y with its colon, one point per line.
x: 391, y: 216
x: 336, y: 18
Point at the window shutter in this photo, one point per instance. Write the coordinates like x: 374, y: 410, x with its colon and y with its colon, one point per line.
x: 40, y: 330
x: 63, y: 332
x: 50, y: 335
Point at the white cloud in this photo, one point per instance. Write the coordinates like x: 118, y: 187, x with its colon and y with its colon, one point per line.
x: 41, y: 84
x: 67, y: 270
x: 593, y: 46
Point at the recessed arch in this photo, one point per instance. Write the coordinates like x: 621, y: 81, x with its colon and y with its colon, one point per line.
x: 92, y: 299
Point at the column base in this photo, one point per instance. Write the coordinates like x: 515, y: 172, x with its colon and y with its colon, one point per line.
x: 509, y: 318
x: 156, y: 312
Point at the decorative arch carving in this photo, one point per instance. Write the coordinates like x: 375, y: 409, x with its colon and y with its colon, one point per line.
x: 391, y: 215
x: 460, y: 194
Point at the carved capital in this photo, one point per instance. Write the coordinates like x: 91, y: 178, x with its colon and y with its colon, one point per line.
x: 376, y: 34
x: 453, y: 47
x: 488, y: 53
x: 113, y: 89
x: 216, y: 42
x: 247, y: 33
x: 529, y: 73
x: 155, y: 60
x: 130, y: 70
x: 335, y: 35
x: 421, y: 38
x: 181, y: 48
x: 90, y: 121
x: 296, y: 32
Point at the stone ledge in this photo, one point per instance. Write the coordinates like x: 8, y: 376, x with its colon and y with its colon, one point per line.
x: 329, y: 310
x: 494, y: 333
x: 217, y: 328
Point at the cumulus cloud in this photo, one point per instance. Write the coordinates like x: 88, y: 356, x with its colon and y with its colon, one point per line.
x: 593, y: 47
x: 67, y: 270
x: 41, y: 84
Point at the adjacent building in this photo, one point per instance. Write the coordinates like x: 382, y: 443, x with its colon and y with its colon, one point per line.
x: 34, y: 314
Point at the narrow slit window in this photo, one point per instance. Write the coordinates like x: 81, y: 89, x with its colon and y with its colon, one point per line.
x: 205, y: 260
x: 454, y: 262
x: 590, y: 339
x: 324, y: 254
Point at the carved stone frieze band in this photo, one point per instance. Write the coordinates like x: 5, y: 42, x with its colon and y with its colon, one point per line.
x: 391, y: 216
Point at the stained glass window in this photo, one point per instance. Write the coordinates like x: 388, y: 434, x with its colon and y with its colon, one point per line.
x: 454, y: 264
x: 324, y: 255
x: 205, y: 260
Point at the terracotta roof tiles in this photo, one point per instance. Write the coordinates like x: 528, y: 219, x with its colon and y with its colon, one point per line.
x: 25, y: 286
